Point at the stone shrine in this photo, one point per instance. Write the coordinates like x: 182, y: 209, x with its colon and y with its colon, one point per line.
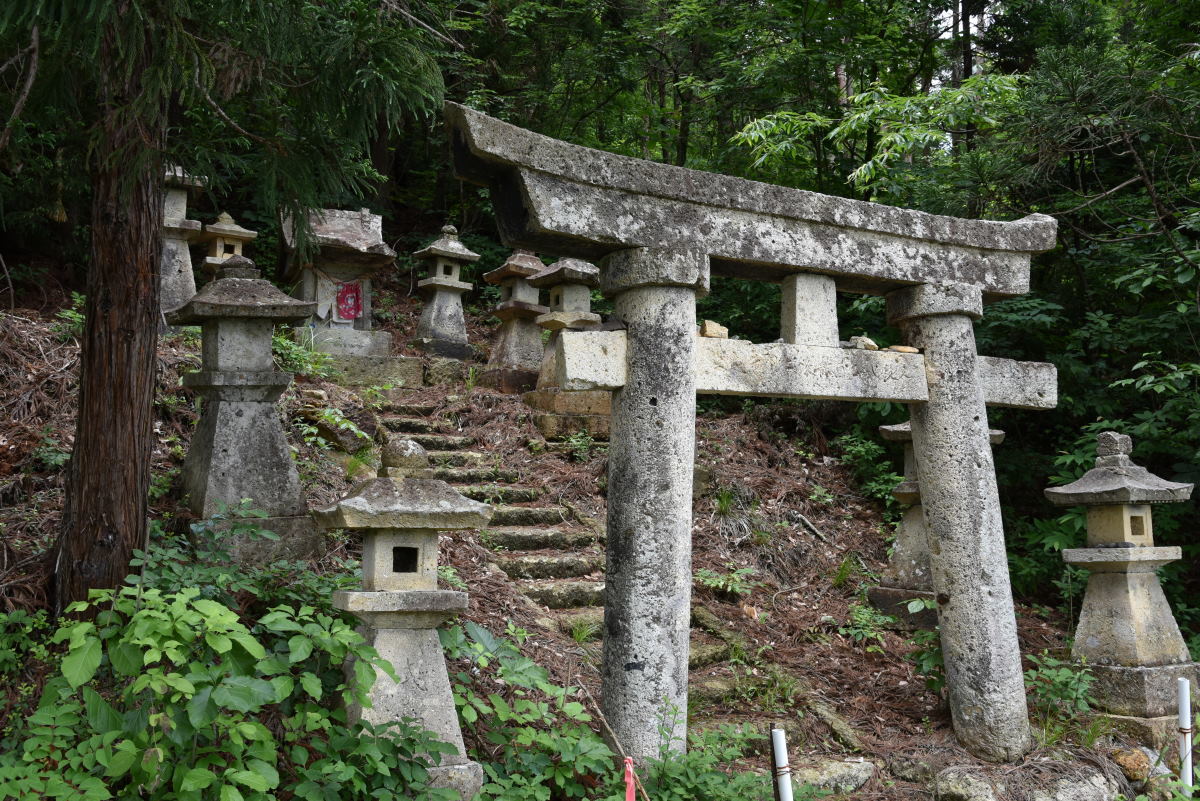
x: 177, y: 282
x: 517, y: 355
x: 1127, y: 635
x: 238, y: 449
x: 569, y: 284
x: 225, y: 239
x: 907, y: 577
x: 350, y: 252
x: 442, y: 329
x: 401, y: 606
x: 658, y: 233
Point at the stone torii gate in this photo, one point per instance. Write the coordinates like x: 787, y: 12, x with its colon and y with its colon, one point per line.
x: 658, y: 233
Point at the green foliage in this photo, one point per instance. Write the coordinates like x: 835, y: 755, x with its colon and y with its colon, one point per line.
x: 1060, y: 696
x: 865, y: 626
x: 538, y: 744
x: 871, y: 466
x: 737, y: 582
x: 581, y: 444
x: 50, y: 453
x: 449, y: 575
x: 22, y: 639
x: 70, y: 320
x: 294, y: 357
x: 818, y: 494
x: 926, y: 655
x: 336, y: 418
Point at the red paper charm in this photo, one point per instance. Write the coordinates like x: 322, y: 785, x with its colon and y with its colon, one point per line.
x: 349, y: 301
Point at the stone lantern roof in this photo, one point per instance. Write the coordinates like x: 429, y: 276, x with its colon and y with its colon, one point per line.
x: 1117, y: 480
x: 447, y: 246
x: 406, y: 504
x: 521, y: 264
x: 568, y: 271
x: 239, y: 292
x: 226, y: 228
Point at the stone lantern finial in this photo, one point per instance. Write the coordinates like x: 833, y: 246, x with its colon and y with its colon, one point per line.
x: 1127, y: 635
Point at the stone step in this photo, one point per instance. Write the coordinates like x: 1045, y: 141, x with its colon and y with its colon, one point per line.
x: 474, y: 475
x: 441, y: 442
x: 412, y: 425
x: 409, y: 409
x: 528, y: 515
x: 535, y: 538
x: 584, y: 625
x: 565, y: 593
x: 459, y: 458
x: 550, y: 565
x: 495, y: 494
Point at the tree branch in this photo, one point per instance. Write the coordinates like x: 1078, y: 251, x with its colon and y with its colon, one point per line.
x: 23, y: 97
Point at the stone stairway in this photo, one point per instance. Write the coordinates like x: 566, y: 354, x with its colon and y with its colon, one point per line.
x: 555, y: 558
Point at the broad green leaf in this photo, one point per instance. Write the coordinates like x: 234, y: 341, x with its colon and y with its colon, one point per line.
x: 243, y: 693
x: 299, y: 647
x: 311, y: 685
x: 197, y: 779
x: 100, y: 715
x: 80, y: 664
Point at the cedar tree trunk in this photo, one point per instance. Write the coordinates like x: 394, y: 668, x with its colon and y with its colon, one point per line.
x: 109, y: 475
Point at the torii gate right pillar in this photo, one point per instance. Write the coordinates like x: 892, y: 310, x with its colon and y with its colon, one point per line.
x: 962, y: 515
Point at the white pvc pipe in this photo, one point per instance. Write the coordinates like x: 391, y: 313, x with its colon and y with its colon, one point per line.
x: 783, y: 771
x: 1185, y: 736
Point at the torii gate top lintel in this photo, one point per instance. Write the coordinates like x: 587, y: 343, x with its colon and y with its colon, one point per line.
x: 556, y: 197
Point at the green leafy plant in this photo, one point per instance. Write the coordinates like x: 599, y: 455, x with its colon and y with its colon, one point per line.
x: 735, y: 583
x: 450, y: 576
x: 70, y: 319
x: 50, y: 453
x: 871, y: 466
x: 581, y: 444
x: 818, y: 494
x: 585, y: 630
x: 865, y: 626
x: 926, y: 656
x: 294, y: 357
x: 1060, y: 696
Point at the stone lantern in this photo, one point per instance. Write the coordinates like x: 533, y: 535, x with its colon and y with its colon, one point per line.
x: 1127, y: 634
x: 569, y: 283
x: 400, y: 605
x: 517, y: 355
x: 239, y: 449
x: 176, y: 280
x: 225, y: 239
x: 442, y: 329
x: 907, y: 575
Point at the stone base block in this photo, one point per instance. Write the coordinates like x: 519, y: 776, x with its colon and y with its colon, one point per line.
x: 1146, y: 692
x: 509, y: 380
x: 1158, y: 733
x: 298, y: 540
x: 556, y: 401
x: 344, y: 341
x: 465, y: 778
x: 894, y: 601
x: 444, y: 347
x: 561, y: 426
x: 439, y: 372
x: 369, y: 371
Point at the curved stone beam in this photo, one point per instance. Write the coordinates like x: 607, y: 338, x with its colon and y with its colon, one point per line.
x: 556, y: 197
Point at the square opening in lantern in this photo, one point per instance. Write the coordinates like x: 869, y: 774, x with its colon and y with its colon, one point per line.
x: 405, y: 560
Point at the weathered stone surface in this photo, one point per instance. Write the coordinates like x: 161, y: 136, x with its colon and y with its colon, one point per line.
x: 411, y: 503
x: 596, y: 360
x: 966, y: 535
x: 344, y: 341
x: 247, y: 297
x: 561, y: 426
x: 374, y: 371
x: 299, y: 539
x: 557, y: 197
x: 537, y: 566
x: 509, y: 381
x: 177, y: 281
x: 1117, y: 480
x: 834, y: 775
x: 567, y: 594
x: 641, y: 267
x: 648, y: 573
x: 442, y: 328
x: 712, y: 329
x: 557, y: 401
x: 1043, y: 782
x: 444, y: 370
x: 400, y: 453
x: 809, y: 312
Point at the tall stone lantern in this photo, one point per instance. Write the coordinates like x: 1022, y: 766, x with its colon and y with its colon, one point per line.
x: 177, y: 282
x: 400, y: 605
x: 517, y: 355
x: 442, y: 329
x: 1127, y: 634
x: 239, y: 449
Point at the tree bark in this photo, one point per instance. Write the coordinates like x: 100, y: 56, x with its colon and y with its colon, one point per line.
x: 109, y: 475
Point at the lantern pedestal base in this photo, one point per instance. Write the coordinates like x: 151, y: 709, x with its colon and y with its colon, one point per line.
x: 1142, y: 692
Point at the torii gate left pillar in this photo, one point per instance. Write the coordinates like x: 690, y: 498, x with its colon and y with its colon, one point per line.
x: 652, y: 448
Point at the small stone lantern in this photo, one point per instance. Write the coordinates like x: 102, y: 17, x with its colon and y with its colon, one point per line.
x: 517, y: 355
x: 239, y: 449
x: 225, y: 238
x: 177, y: 282
x: 1127, y: 634
x: 442, y: 329
x: 569, y: 283
x: 907, y: 576
x: 400, y: 606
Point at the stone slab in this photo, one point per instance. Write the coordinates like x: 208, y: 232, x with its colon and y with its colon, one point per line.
x: 592, y: 360
x: 299, y: 540
x: 508, y: 380
x: 553, y: 196
x: 444, y: 348
x: 369, y: 371
x: 559, y: 402
x: 344, y: 341
x: 1144, y: 692
x: 561, y: 426
x: 413, y: 503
